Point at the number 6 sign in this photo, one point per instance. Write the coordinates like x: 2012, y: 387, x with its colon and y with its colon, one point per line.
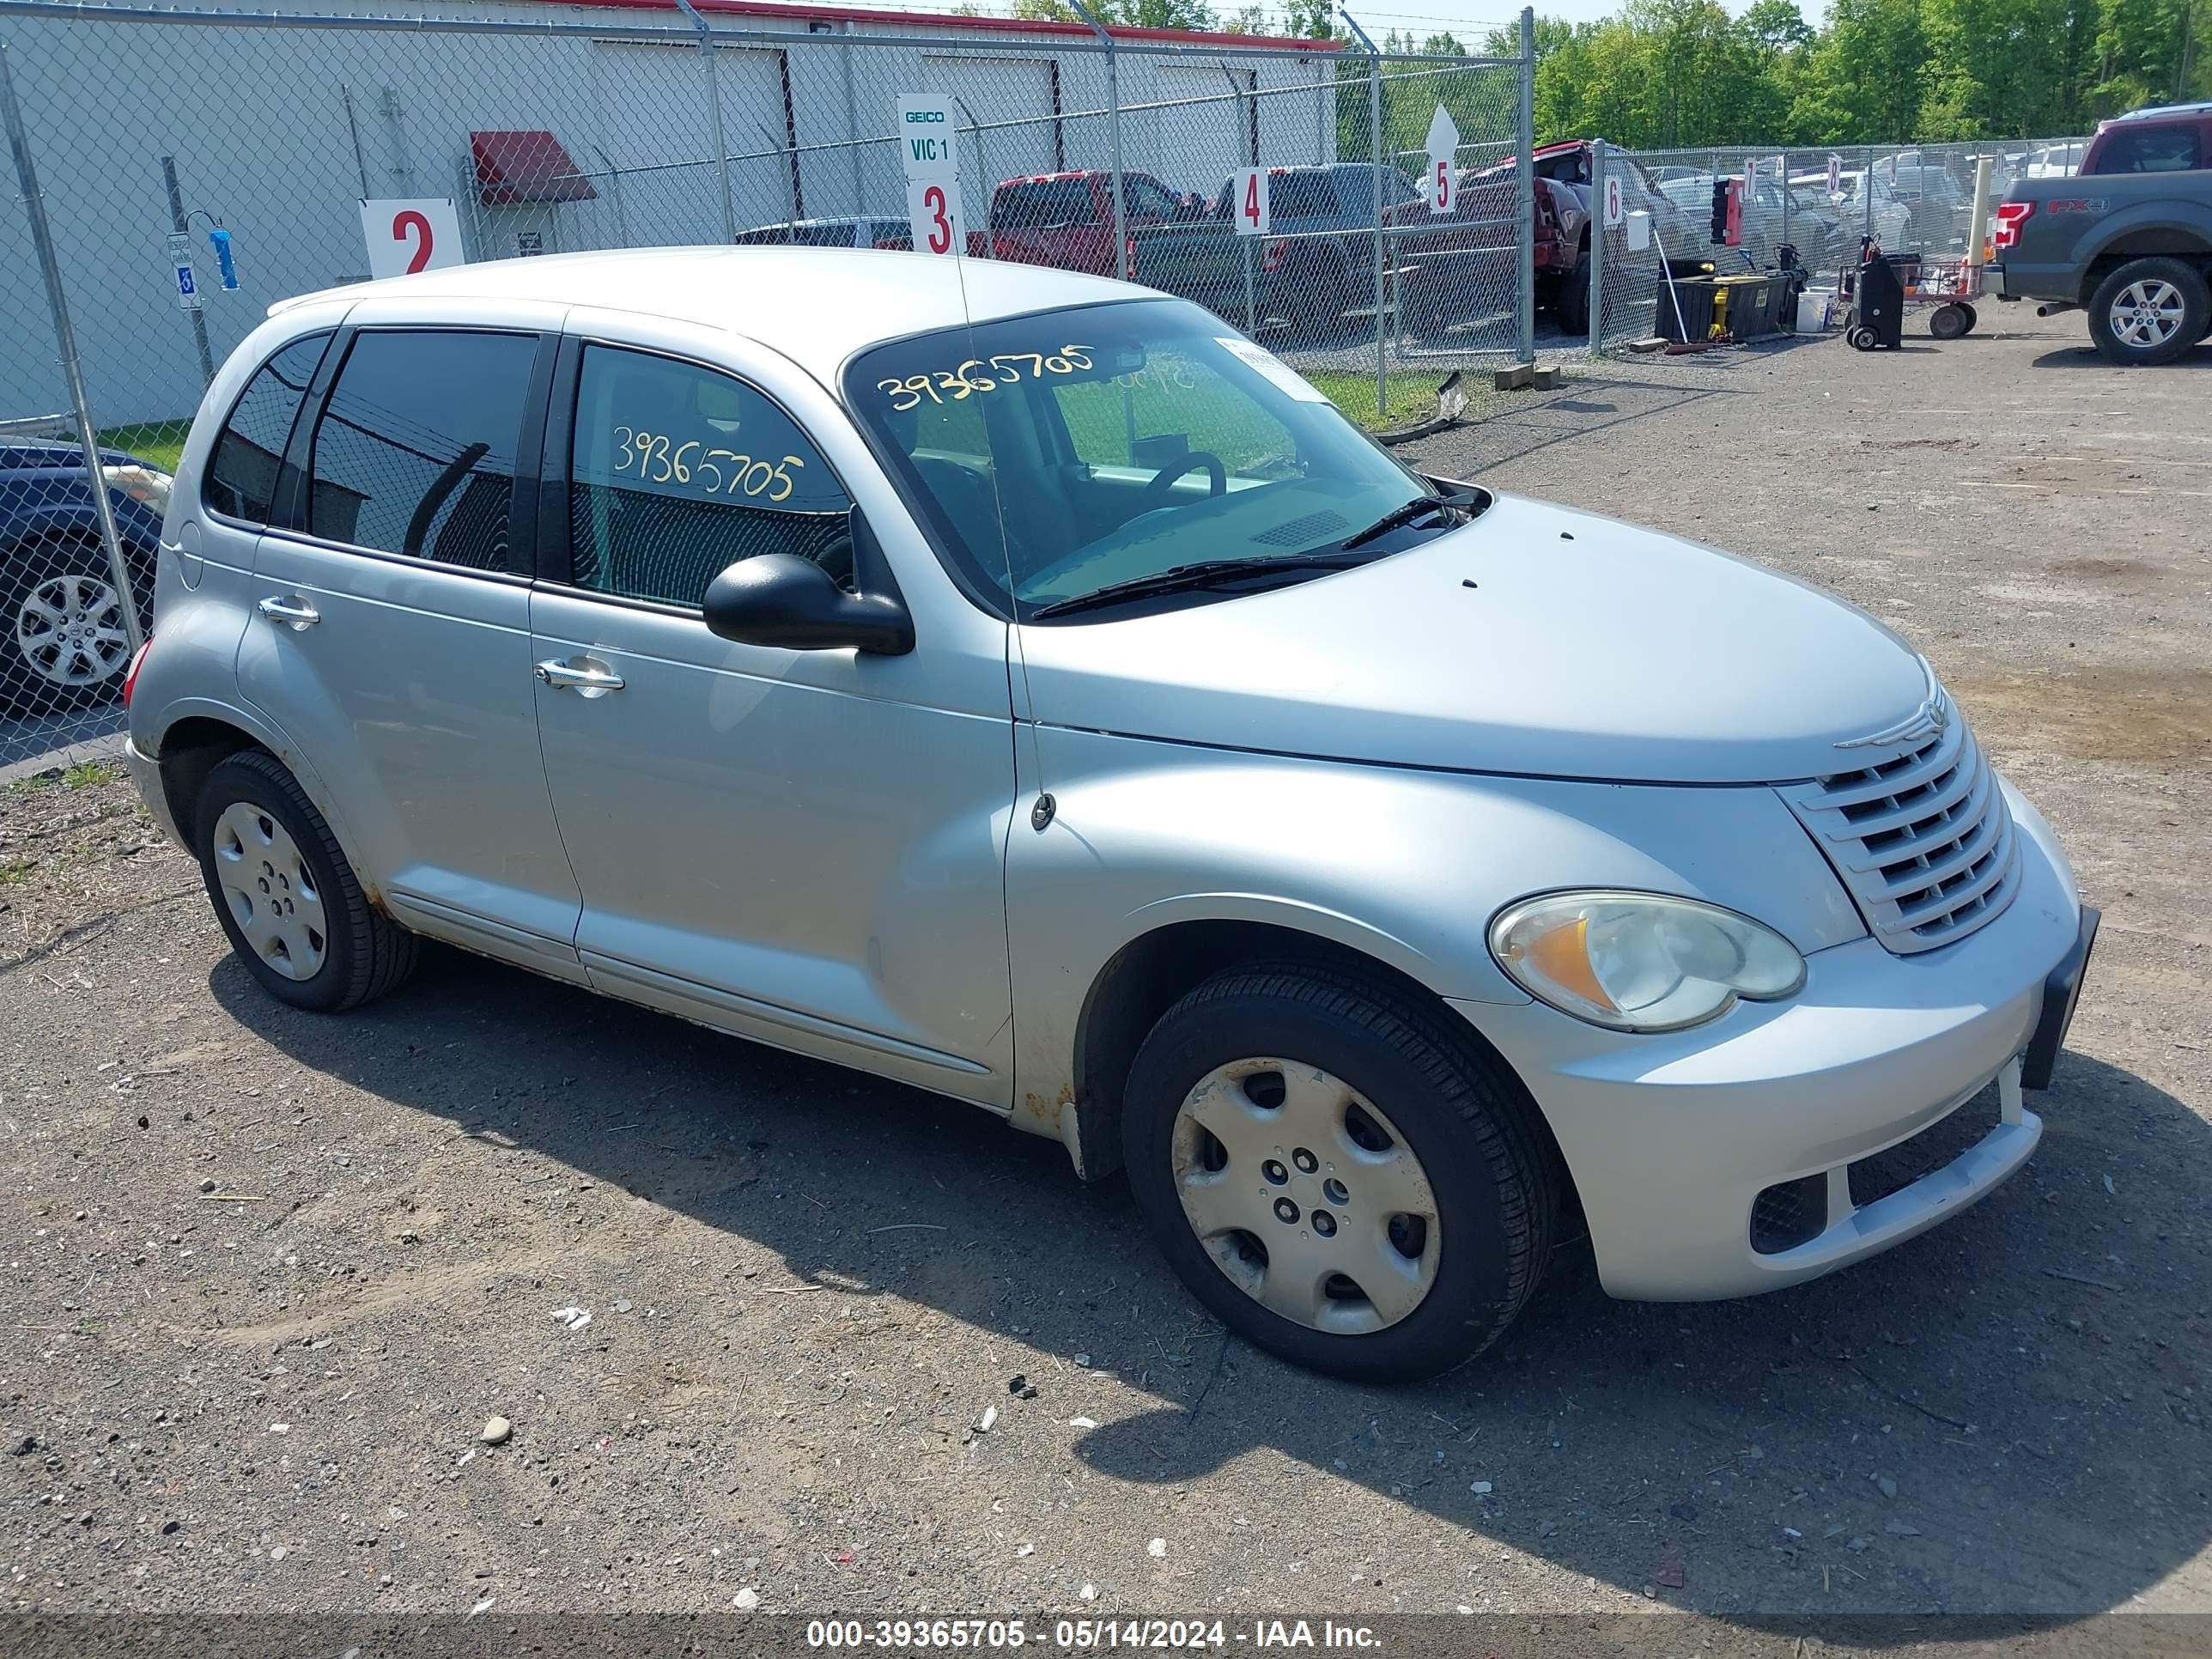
x: 404, y: 237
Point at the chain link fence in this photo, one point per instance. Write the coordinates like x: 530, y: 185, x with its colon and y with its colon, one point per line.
x: 257, y: 156
x: 1820, y: 203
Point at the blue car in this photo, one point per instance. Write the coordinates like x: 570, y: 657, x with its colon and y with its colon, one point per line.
x: 63, y: 643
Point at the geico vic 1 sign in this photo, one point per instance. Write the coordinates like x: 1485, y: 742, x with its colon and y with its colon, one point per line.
x: 925, y: 138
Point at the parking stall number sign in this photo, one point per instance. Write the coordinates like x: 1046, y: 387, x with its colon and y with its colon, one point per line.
x: 406, y: 236
x: 1443, y: 154
x: 930, y: 155
x: 1835, y: 175
x: 1252, y: 215
x: 1616, y: 212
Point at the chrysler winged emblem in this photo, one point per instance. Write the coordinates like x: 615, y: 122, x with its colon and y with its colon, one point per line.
x: 1931, y: 720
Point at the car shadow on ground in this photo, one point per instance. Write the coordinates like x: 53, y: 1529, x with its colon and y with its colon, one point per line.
x: 1998, y: 1418
x: 2086, y: 355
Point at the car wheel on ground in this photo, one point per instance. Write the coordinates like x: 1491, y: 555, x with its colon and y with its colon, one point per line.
x: 1950, y: 322
x: 1572, y: 306
x: 2149, y: 311
x: 1338, y: 1178
x: 287, y: 898
x: 65, y: 645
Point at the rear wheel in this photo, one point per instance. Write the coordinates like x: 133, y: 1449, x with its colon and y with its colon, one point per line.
x: 1949, y: 322
x: 1572, y: 306
x: 1337, y: 1176
x: 288, y: 900
x: 2149, y: 311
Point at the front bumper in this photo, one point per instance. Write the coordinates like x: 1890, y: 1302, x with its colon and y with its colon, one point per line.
x: 1672, y: 1138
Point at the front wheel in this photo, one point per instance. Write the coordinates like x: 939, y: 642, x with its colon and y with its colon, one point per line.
x: 1337, y: 1175
x: 66, y: 645
x: 2149, y: 311
x: 289, y: 902
x: 1949, y: 322
x: 1572, y: 306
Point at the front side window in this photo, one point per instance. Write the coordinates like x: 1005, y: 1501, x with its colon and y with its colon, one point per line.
x: 415, y: 450
x: 242, y: 474
x: 1060, y: 454
x: 1042, y: 203
x: 679, y: 471
x: 1148, y: 199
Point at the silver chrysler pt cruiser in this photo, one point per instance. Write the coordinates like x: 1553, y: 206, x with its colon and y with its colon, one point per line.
x: 1024, y: 686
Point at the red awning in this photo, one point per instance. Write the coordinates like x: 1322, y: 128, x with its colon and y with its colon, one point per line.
x: 526, y: 166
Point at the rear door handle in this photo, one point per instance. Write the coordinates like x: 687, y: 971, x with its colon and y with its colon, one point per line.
x: 290, y: 611
x: 586, y: 677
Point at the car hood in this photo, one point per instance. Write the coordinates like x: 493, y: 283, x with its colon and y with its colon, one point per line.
x: 1536, y: 641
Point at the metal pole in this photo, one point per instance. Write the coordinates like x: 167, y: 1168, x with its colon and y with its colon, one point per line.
x: 715, y: 116
x: 34, y: 207
x: 1112, y: 129
x: 1252, y: 159
x: 353, y: 128
x: 1866, y: 193
x: 1975, y: 228
x: 1525, y: 187
x: 1374, y: 147
x: 1597, y: 235
x: 853, y: 125
x: 183, y: 228
x: 614, y: 189
x: 982, y: 173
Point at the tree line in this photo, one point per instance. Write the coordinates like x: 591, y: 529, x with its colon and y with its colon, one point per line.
x: 1668, y: 74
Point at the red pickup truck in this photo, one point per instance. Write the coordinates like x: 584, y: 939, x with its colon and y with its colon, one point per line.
x: 1065, y: 220
x: 1466, y: 269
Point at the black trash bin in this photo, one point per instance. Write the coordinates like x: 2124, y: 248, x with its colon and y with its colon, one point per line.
x: 1878, y: 315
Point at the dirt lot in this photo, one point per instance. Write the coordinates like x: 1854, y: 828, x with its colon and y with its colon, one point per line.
x: 271, y: 1273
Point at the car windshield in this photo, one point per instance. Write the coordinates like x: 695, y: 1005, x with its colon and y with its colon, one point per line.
x: 1064, y: 452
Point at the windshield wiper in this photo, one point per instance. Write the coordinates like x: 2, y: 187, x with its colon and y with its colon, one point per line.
x: 1184, y: 578
x: 1412, y: 513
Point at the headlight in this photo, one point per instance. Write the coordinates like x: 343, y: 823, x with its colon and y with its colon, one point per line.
x: 1640, y: 962
x: 143, y: 484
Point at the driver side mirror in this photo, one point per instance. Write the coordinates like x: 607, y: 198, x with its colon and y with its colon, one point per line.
x: 780, y: 599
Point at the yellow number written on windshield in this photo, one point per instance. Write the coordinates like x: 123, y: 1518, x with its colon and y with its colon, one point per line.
x: 983, y: 375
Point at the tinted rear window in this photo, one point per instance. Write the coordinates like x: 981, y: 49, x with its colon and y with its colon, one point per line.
x: 1033, y: 206
x: 414, y: 451
x: 2150, y: 150
x: 1303, y: 196
x: 241, y: 475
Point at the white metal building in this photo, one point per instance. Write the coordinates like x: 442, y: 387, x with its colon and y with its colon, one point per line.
x: 585, y: 126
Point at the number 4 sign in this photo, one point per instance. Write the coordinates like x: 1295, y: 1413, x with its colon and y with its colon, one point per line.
x: 1252, y: 215
x: 407, y: 236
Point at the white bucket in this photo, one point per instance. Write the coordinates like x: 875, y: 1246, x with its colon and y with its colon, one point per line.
x: 1813, y: 308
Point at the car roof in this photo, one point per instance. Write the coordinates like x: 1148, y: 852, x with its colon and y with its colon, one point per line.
x: 2166, y: 112
x: 817, y: 306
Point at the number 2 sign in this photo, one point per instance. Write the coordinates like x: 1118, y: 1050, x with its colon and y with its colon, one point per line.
x: 407, y: 236
x: 1250, y: 202
x: 932, y: 211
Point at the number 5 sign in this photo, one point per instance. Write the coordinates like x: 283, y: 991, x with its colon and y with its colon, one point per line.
x: 932, y: 209
x: 404, y: 237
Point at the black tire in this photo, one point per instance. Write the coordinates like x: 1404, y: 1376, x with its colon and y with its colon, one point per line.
x: 1861, y: 339
x: 2147, y: 278
x: 1467, y: 1120
x: 1974, y: 316
x: 1948, y: 322
x: 37, y: 680
x: 1572, y: 306
x: 365, y: 953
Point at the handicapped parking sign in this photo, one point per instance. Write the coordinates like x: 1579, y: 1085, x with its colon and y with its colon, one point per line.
x: 180, y: 262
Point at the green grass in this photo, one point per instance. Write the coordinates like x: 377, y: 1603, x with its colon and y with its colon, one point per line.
x: 15, y: 871
x: 85, y: 774
x: 1413, y: 396
x: 157, y: 443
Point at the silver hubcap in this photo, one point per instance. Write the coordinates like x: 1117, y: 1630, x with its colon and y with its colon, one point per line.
x: 70, y: 630
x: 1306, y: 1197
x: 270, y: 890
x: 2146, y: 313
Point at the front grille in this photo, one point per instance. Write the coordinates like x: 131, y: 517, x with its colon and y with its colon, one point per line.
x: 1940, y: 1143
x: 1922, y: 840
x: 1790, y: 1214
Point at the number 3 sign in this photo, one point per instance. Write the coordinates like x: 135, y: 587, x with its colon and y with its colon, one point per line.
x: 404, y: 237
x: 933, y: 208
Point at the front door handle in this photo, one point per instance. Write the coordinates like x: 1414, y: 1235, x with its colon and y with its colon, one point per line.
x: 289, y: 610
x: 586, y: 677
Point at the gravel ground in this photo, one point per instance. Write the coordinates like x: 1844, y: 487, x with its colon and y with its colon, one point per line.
x: 269, y: 1274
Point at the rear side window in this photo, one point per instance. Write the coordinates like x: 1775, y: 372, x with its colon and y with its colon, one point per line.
x: 414, y: 451
x: 241, y: 475
x: 680, y: 471
x: 2150, y: 150
x: 1042, y: 202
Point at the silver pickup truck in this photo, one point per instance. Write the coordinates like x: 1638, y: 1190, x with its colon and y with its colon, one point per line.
x: 2128, y: 239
